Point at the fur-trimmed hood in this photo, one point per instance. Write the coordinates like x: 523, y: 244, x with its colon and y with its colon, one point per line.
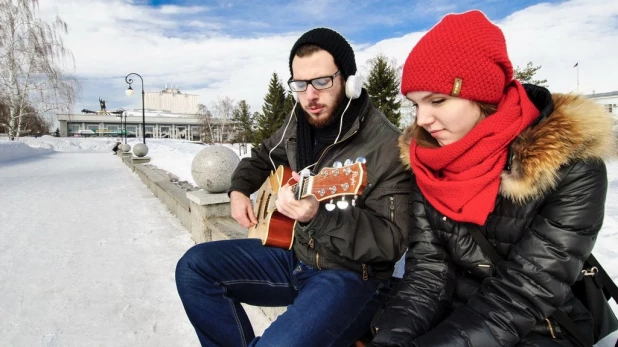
x: 577, y: 129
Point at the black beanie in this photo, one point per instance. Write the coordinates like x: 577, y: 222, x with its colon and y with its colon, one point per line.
x: 332, y: 42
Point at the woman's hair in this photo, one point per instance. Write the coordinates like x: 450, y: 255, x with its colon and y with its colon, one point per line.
x: 424, y: 139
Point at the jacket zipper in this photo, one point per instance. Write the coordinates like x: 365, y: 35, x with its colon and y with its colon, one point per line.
x: 311, y: 241
x: 311, y: 245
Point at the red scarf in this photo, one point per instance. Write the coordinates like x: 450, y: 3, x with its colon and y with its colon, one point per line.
x: 470, y: 168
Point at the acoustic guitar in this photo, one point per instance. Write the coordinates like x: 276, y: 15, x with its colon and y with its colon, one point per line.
x: 277, y: 230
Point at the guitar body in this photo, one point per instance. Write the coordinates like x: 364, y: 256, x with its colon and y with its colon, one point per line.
x: 277, y: 230
x: 273, y: 228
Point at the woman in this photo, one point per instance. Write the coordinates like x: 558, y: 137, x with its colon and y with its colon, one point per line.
x: 520, y: 164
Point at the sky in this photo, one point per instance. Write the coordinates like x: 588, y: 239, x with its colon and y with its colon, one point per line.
x: 219, y: 49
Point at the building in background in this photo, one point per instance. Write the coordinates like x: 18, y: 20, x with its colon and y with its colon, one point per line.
x: 609, y: 100
x: 173, y: 101
x: 169, y: 114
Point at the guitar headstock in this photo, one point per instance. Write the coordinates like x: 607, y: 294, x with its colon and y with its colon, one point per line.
x: 339, y: 180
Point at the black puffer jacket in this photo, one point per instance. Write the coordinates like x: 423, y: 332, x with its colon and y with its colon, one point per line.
x: 545, y: 223
x: 368, y: 238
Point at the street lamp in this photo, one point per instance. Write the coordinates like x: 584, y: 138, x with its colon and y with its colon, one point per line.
x: 123, y: 125
x: 129, y: 93
x: 139, y: 150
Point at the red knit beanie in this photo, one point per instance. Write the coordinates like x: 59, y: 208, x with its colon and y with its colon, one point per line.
x: 464, y: 55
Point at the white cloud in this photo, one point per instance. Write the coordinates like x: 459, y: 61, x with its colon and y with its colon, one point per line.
x: 173, y: 9
x: 110, y: 38
x: 554, y: 36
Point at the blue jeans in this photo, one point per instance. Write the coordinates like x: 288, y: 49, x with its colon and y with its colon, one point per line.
x: 325, y: 307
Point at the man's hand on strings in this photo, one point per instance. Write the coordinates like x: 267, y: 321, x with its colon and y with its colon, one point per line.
x: 302, y: 210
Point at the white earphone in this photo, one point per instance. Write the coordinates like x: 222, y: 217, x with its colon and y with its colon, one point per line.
x: 353, y: 87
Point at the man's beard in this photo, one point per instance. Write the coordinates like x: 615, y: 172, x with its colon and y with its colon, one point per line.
x: 323, y: 123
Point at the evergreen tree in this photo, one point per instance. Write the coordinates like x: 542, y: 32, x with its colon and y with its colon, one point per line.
x: 244, y: 119
x: 383, y: 87
x: 526, y: 75
x: 273, y: 111
x: 289, y: 103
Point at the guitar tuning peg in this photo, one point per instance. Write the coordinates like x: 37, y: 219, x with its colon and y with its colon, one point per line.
x: 347, y: 162
x: 361, y: 160
x: 354, y: 200
x: 343, y: 204
x: 330, y: 206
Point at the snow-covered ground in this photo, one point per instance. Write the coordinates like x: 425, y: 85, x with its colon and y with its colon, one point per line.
x: 88, y: 253
x: 174, y: 156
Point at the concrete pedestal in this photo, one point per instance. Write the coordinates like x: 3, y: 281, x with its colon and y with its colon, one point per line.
x: 210, y: 214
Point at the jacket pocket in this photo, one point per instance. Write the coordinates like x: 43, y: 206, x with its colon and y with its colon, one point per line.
x: 290, y: 152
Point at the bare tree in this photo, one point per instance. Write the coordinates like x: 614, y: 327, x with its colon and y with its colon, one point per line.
x: 206, y: 122
x: 224, y: 108
x: 224, y: 113
x: 31, y: 122
x: 32, y: 58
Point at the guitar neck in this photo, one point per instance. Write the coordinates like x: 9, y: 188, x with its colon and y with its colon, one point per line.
x: 299, y: 192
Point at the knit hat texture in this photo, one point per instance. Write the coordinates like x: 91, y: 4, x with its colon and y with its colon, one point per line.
x: 464, y: 55
x: 332, y: 42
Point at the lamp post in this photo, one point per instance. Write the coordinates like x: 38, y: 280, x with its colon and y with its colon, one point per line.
x: 123, y: 125
x: 139, y: 150
x: 129, y: 93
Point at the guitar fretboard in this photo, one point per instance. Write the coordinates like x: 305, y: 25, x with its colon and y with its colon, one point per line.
x: 295, y: 188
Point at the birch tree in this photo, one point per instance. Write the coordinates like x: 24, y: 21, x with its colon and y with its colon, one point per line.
x: 32, y: 61
x: 205, y: 117
x: 223, y: 112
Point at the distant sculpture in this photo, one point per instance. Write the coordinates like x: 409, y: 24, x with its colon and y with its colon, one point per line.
x: 102, y: 103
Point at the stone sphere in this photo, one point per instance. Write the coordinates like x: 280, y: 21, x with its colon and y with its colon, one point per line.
x: 212, y: 168
x: 140, y: 150
x: 125, y: 147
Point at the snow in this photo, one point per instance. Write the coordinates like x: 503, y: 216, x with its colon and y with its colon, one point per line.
x: 174, y: 156
x: 16, y: 150
x: 88, y: 252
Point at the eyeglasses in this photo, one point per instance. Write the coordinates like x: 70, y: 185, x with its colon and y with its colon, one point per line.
x: 317, y: 83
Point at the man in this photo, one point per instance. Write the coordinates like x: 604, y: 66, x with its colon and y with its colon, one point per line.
x: 116, y: 146
x: 334, y: 279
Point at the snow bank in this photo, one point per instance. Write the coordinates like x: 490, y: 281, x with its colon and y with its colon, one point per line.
x: 72, y: 144
x: 174, y: 156
x: 10, y: 151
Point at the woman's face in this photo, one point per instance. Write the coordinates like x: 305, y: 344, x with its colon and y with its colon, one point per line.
x: 446, y: 118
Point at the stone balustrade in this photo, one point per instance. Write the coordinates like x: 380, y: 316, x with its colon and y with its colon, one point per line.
x: 204, y: 212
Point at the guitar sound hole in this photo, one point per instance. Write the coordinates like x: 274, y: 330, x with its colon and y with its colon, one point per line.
x: 260, y: 204
x: 265, y: 211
